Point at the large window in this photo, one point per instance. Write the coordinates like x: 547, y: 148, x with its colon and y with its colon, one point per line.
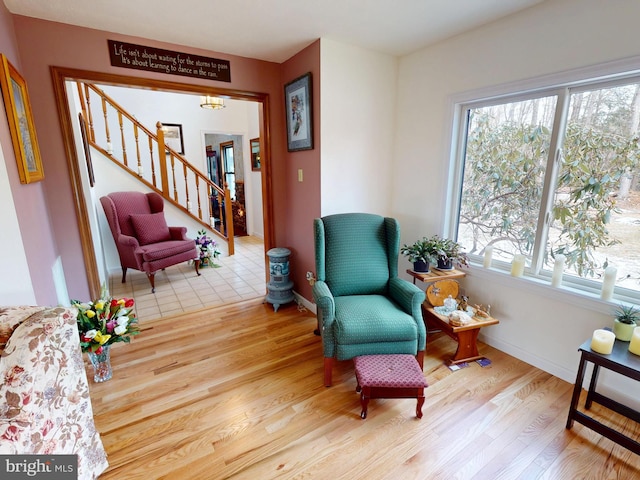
x: 555, y: 173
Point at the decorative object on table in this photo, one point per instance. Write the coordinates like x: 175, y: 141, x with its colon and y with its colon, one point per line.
x: 634, y: 344
x: 279, y: 288
x: 450, y: 304
x: 463, y: 304
x: 459, y: 318
x: 602, y: 341
x: 102, y: 323
x: 608, y: 282
x: 446, y: 252
x: 438, y: 292
x: 21, y: 126
x: 488, y: 256
x: 419, y: 254
x: 481, y: 311
x: 208, y: 250
x: 517, y: 265
x: 298, y: 100
x: 558, y: 270
x: 625, y: 319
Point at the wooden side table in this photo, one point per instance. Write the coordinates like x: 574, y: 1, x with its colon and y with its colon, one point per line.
x: 435, y: 275
x: 621, y: 361
x: 466, y: 335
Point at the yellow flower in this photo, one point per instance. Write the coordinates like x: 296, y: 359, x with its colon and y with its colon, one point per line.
x: 121, y: 301
x: 90, y: 313
x: 99, y: 305
x: 101, y: 338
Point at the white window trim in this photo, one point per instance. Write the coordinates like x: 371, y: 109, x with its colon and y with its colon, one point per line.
x: 578, y: 79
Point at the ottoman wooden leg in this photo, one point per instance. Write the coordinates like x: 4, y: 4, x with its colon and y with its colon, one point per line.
x: 364, y: 400
x: 420, y: 404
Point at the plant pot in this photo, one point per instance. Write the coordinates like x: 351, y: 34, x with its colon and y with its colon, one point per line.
x: 623, y: 331
x: 445, y: 265
x: 420, y: 266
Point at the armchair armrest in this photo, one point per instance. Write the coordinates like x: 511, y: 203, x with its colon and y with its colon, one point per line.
x: 410, y: 299
x: 326, y: 305
x: 128, y: 241
x: 178, y: 233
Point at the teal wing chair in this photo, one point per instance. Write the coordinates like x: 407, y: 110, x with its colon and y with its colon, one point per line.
x: 363, y: 307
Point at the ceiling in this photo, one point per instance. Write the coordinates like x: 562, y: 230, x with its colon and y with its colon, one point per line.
x: 275, y: 30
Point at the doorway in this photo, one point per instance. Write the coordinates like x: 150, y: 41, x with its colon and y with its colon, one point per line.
x: 86, y: 205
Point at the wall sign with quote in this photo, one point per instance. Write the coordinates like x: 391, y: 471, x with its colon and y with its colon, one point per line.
x: 139, y: 57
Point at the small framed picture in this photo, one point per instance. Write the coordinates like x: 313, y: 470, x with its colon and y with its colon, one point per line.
x: 255, y: 154
x: 298, y: 101
x: 173, y: 137
x: 23, y: 132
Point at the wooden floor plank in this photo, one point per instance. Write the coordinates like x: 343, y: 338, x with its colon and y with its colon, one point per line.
x: 237, y: 392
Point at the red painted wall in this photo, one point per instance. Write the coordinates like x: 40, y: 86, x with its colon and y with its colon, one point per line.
x: 303, y: 198
x: 43, y: 44
x: 29, y: 200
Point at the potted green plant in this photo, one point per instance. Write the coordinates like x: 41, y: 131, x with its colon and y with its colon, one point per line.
x: 419, y: 254
x: 448, y: 253
x: 625, y: 320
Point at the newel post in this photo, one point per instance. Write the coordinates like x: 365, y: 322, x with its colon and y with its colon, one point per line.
x: 164, y: 178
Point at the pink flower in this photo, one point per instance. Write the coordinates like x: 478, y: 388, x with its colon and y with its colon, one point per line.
x: 46, y: 428
x: 13, y: 377
x: 110, y: 326
x: 12, y: 433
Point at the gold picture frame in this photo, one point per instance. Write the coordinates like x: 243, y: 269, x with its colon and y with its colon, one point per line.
x: 23, y: 132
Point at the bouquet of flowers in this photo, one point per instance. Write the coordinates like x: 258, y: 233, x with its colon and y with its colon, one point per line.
x: 105, y: 321
x: 208, y: 248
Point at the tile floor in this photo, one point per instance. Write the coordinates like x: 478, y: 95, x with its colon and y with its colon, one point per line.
x: 178, y: 289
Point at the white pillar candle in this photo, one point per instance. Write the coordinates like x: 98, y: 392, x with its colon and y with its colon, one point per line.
x: 189, y: 206
x: 212, y: 222
x: 634, y: 344
x: 517, y: 265
x: 608, y: 283
x: 140, y: 170
x: 602, y: 341
x: 488, y: 254
x: 109, y: 148
x: 558, y: 268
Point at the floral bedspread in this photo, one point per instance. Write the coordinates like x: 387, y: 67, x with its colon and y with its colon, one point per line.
x: 45, y: 406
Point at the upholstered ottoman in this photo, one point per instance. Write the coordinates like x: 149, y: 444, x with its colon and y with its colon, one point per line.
x: 389, y: 376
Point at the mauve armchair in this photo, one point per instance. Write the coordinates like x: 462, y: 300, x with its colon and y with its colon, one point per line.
x: 142, y: 237
x: 363, y: 307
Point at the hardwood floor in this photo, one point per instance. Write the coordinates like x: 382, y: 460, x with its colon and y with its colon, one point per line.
x: 237, y: 392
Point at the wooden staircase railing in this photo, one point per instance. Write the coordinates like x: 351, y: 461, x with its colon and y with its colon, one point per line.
x: 179, y: 182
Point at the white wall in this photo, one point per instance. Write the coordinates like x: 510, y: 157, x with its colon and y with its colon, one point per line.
x: 559, y: 39
x: 358, y: 95
x: 16, y: 287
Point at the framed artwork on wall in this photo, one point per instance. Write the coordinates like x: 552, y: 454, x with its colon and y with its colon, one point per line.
x: 173, y: 137
x: 255, y: 154
x: 23, y: 132
x: 298, y: 102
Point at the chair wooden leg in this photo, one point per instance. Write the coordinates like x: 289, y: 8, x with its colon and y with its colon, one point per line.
x: 152, y: 281
x: 124, y: 274
x: 197, y: 262
x: 328, y: 369
x: 420, y: 359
